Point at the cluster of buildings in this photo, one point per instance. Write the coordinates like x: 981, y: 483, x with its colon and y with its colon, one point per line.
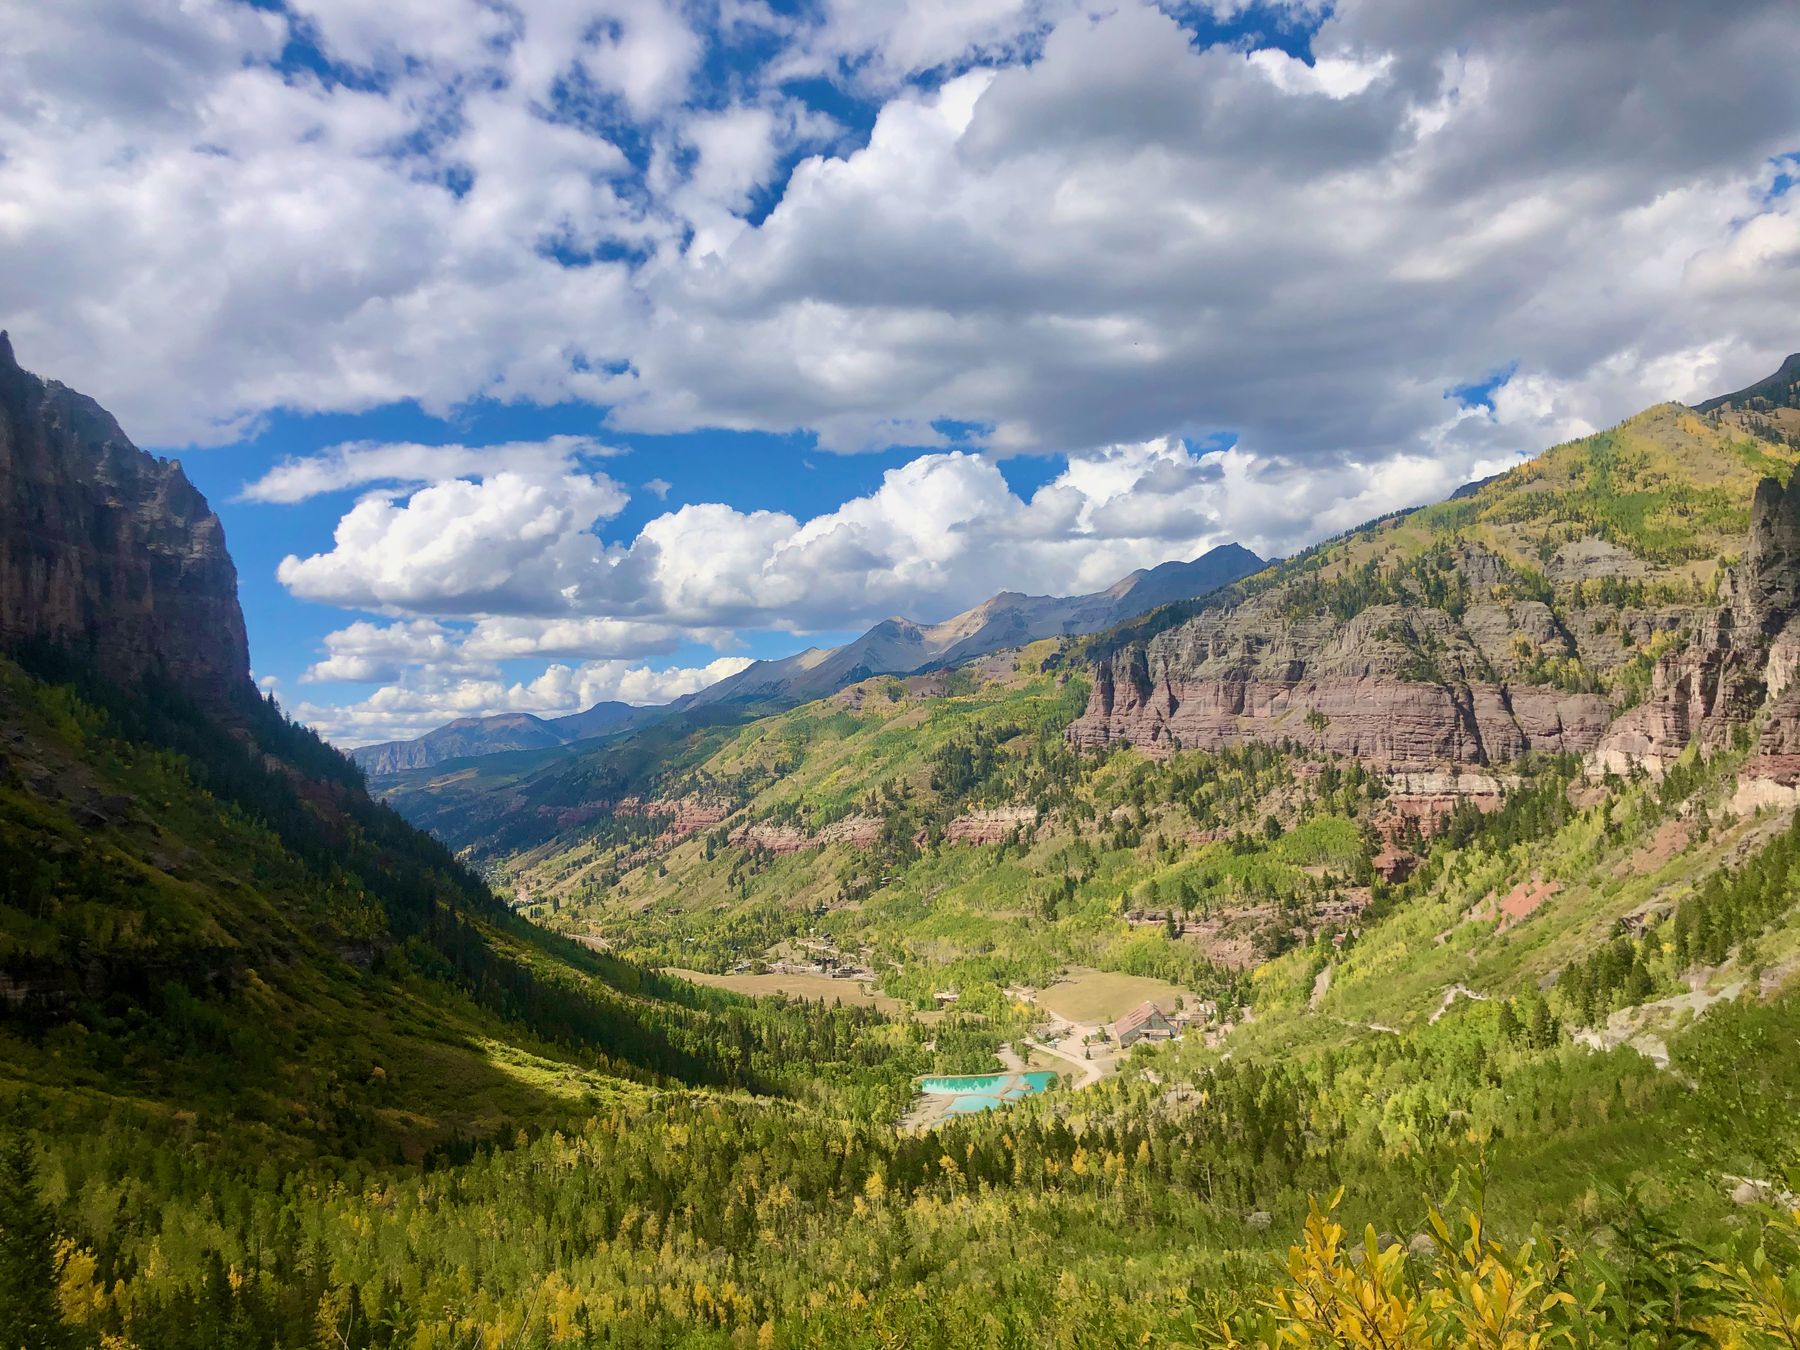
x: 1148, y: 1022
x: 810, y: 958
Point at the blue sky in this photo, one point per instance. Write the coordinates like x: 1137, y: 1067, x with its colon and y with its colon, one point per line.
x: 542, y: 351
x: 753, y: 471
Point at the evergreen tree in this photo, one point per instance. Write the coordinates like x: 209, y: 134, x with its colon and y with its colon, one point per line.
x: 1542, y: 1031
x: 29, y: 1265
x: 1510, y: 1030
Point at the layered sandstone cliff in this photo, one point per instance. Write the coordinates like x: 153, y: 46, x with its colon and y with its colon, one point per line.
x: 107, y: 550
x: 1406, y: 689
x: 1469, y: 673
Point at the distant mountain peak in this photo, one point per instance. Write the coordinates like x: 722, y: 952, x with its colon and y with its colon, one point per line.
x: 901, y: 646
x: 1780, y: 390
x: 896, y: 645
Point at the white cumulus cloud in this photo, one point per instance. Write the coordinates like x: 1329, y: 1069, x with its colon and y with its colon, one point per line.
x: 502, y: 545
x: 942, y: 532
x: 357, y: 464
x: 1086, y: 225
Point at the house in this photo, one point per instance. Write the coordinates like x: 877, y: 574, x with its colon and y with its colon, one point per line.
x: 1194, y: 1014
x: 1146, y: 1021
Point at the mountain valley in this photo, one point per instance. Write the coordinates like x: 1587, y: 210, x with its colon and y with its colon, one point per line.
x: 1437, y: 879
x: 832, y: 675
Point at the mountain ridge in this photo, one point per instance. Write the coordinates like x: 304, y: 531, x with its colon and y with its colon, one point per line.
x: 467, y: 737
x: 900, y: 646
x: 893, y: 646
x: 1770, y: 407
x: 1780, y: 390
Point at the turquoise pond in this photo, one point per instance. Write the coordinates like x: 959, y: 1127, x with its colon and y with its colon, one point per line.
x: 984, y: 1092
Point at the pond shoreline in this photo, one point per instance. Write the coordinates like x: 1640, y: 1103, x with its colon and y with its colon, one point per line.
x: 943, y: 1097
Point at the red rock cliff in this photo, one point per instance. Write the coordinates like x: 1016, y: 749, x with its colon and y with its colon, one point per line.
x: 1255, y: 673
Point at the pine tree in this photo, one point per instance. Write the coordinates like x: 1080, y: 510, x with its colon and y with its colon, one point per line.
x: 29, y: 1264
x: 1510, y: 1030
x: 1542, y: 1031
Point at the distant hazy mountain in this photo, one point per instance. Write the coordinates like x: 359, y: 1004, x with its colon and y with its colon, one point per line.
x: 891, y: 647
x: 901, y: 646
x: 468, y: 736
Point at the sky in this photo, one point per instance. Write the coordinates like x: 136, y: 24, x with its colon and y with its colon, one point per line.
x: 537, y: 352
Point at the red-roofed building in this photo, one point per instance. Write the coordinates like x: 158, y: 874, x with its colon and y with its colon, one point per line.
x: 1145, y: 1022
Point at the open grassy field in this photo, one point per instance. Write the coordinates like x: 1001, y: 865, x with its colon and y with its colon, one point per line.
x: 1105, y: 996
x: 851, y: 993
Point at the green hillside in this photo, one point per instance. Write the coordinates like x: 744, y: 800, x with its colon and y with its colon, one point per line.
x: 1631, y: 525
x: 1150, y: 1207
x: 280, y: 1071
x: 1253, y: 851
x: 211, y: 915
x: 1095, y: 837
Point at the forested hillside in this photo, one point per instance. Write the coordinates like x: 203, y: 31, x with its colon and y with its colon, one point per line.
x: 1225, y: 781
x: 1490, y: 1033
x: 1504, y: 774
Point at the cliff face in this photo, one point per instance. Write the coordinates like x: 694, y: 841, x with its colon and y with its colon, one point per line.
x: 1256, y: 672
x: 1761, y: 668
x: 1551, y: 609
x: 1737, y: 660
x: 107, y: 549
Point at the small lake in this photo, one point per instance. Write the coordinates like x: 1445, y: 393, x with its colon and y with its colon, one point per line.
x: 968, y: 1093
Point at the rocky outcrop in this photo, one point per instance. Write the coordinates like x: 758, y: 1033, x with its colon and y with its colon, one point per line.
x: 1777, y: 755
x: 1698, y: 692
x: 1744, y: 657
x: 108, y: 550
x: 1740, y: 659
x: 856, y: 831
x: 686, y: 815
x: 1768, y: 605
x: 991, y: 826
x: 1767, y: 591
x: 1403, y: 689
x: 1425, y: 800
